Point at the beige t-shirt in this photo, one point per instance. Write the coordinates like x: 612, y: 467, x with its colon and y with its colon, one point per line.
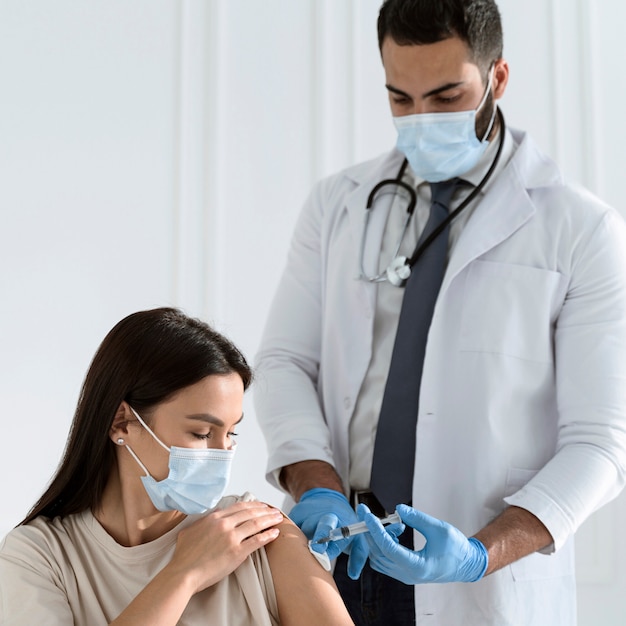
x: 71, y: 571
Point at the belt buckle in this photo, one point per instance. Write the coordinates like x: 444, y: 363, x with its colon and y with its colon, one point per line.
x: 355, y: 497
x: 368, y: 498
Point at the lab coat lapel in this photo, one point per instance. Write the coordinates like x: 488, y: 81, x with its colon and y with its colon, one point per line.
x: 505, y: 207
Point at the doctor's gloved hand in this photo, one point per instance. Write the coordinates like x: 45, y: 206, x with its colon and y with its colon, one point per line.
x: 321, y: 510
x: 448, y: 556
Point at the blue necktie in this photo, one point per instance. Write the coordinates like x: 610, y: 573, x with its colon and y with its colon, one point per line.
x: 394, y: 448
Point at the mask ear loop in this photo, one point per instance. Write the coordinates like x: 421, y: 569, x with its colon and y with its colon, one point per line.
x: 148, y: 429
x: 495, y: 106
x: 143, y: 467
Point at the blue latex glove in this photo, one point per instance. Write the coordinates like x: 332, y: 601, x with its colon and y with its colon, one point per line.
x: 318, y: 512
x: 448, y: 556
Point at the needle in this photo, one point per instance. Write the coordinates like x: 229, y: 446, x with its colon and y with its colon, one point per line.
x: 355, y: 529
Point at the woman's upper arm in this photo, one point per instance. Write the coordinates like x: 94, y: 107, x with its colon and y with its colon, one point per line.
x: 28, y: 592
x: 306, y: 593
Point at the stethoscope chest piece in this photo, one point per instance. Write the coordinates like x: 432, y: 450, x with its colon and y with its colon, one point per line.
x: 398, y: 271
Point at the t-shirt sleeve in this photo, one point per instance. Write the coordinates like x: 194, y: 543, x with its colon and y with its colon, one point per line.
x: 30, y: 587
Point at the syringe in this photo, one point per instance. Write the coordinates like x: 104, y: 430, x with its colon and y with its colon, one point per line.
x: 356, y: 529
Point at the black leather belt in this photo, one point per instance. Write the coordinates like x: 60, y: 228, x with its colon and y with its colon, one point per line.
x: 370, y: 500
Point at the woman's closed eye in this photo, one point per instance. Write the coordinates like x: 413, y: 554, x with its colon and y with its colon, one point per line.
x: 209, y: 435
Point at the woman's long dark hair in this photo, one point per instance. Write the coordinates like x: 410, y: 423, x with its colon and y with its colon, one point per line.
x: 145, y: 359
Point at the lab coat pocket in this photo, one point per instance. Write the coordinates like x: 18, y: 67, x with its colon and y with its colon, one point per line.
x: 510, y: 310
x: 538, y: 566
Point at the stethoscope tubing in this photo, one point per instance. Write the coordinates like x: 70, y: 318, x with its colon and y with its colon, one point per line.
x: 421, y: 248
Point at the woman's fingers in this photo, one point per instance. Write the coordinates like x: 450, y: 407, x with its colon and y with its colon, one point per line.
x: 218, y: 543
x: 244, y: 521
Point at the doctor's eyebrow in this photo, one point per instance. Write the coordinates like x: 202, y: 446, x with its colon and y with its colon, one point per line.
x: 211, y: 419
x: 428, y: 94
x: 441, y: 89
x: 398, y: 92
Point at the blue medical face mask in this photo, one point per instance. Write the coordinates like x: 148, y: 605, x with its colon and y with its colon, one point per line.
x: 196, y: 481
x: 441, y: 146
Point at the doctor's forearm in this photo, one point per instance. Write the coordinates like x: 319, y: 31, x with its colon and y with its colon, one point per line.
x: 514, y: 534
x: 300, y: 477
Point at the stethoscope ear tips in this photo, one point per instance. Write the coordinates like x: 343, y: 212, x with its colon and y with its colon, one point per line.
x: 398, y: 271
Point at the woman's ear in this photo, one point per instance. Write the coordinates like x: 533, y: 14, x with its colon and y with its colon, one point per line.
x: 119, y: 428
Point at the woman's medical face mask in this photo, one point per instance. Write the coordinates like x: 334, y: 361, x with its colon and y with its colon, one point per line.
x: 196, y: 481
x: 441, y: 146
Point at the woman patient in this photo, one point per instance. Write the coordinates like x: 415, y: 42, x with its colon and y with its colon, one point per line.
x: 133, y: 528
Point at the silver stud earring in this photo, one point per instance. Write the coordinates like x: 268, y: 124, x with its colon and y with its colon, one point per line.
x: 120, y: 442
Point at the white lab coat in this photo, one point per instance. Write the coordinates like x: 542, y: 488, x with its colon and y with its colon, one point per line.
x: 523, y: 394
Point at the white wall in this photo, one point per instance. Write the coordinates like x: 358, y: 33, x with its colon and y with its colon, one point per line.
x: 156, y: 152
x: 87, y: 206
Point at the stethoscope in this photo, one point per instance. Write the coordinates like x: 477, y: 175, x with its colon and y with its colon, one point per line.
x: 399, y: 270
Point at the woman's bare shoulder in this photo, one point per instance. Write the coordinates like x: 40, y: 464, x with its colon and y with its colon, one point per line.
x: 301, y: 582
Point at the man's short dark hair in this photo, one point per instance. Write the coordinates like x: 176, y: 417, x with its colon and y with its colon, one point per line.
x: 477, y: 22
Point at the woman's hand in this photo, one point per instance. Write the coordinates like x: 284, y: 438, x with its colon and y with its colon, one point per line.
x: 206, y: 551
x: 217, y: 544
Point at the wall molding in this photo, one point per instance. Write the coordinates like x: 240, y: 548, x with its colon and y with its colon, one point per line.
x: 558, y: 88
x: 332, y: 79
x: 197, y: 168
x: 590, y: 95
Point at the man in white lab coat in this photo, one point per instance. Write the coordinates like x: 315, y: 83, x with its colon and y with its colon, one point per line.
x: 521, y: 426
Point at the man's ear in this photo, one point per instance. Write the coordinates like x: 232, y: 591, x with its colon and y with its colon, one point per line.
x: 500, y: 78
